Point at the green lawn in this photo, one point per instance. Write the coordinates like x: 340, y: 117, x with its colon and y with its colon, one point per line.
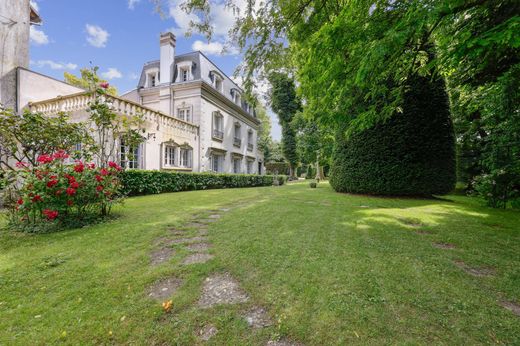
x: 330, y: 269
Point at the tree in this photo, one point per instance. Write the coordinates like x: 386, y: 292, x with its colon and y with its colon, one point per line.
x: 285, y: 103
x: 24, y: 137
x: 264, y: 133
x: 87, y: 79
x: 412, y: 153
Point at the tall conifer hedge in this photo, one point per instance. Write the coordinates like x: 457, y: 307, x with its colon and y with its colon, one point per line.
x: 412, y: 153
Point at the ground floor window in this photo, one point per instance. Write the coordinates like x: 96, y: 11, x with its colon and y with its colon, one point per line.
x: 250, y: 166
x: 237, y: 162
x: 169, y: 155
x: 217, y: 162
x: 130, y: 156
x: 186, y: 157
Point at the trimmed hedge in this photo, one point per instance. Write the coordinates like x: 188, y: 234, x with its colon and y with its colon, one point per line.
x: 412, y: 153
x: 138, y: 182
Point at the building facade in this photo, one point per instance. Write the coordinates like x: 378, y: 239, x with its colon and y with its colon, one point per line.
x: 195, y: 117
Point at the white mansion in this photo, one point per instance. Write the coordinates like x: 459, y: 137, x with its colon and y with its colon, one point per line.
x: 195, y: 118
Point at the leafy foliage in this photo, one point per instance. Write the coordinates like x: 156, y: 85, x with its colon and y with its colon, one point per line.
x: 87, y: 79
x: 54, y: 194
x: 412, y: 153
x: 285, y: 103
x: 138, y: 182
x: 27, y: 136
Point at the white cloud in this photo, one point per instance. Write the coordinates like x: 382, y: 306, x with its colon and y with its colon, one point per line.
x: 213, y: 48
x: 54, y: 65
x: 181, y: 19
x: 34, y: 4
x: 111, y: 73
x: 96, y: 36
x: 38, y: 37
x: 133, y: 76
x: 132, y: 3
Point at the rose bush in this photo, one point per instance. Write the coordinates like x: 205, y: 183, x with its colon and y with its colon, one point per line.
x: 58, y: 193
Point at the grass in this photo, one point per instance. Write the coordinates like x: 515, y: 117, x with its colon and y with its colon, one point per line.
x: 330, y: 269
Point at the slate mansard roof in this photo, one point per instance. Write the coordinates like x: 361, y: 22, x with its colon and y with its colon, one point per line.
x: 202, y: 68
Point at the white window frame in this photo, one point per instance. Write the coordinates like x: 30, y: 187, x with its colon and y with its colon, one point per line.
x: 169, y: 151
x: 250, y: 166
x: 186, y: 157
x: 218, y: 125
x: 135, y: 162
x: 219, y: 160
x: 237, y: 169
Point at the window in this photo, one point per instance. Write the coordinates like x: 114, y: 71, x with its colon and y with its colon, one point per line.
x: 235, y: 96
x: 217, y: 162
x: 184, y: 114
x: 130, y: 157
x: 217, y: 80
x: 169, y: 155
x: 218, y: 126
x: 184, y: 71
x: 237, y: 162
x: 152, y: 80
x: 237, y: 140
x: 186, y: 157
x: 250, y: 140
x: 250, y: 167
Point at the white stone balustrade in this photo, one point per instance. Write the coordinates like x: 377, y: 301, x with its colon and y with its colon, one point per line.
x: 80, y: 102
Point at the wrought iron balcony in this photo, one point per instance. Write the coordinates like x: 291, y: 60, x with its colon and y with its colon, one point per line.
x: 218, y: 134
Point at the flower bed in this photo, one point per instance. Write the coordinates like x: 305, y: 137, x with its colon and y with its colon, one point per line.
x: 53, y: 193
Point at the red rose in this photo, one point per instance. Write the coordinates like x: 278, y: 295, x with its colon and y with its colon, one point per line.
x: 79, y: 167
x: 99, y: 188
x: 70, y: 203
x: 74, y: 185
x: 21, y: 165
x: 60, y: 155
x: 114, y: 165
x: 104, y: 85
x: 37, y: 198
x: 91, y: 165
x: 44, y: 159
x: 20, y: 201
x: 50, y: 214
x: 70, y: 191
x: 99, y: 178
x: 51, y: 183
x: 103, y: 171
x: 58, y: 192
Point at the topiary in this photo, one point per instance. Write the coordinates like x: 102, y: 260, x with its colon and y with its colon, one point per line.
x: 412, y: 153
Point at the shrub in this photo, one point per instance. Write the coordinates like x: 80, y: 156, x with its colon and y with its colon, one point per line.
x: 53, y: 194
x: 498, y: 188
x: 137, y: 182
x: 277, y: 168
x: 313, y: 185
x: 311, y: 172
x: 412, y: 153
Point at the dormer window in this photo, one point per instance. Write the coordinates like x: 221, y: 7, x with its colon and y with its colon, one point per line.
x: 152, y: 78
x: 184, y: 71
x: 235, y: 96
x: 217, y: 80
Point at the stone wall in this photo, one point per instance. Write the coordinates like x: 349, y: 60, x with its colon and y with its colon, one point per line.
x: 14, y: 46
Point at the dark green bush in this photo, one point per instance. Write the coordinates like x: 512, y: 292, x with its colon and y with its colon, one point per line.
x: 412, y: 153
x: 136, y: 182
x: 277, y: 168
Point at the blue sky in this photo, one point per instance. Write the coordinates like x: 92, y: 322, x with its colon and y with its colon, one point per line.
x: 119, y: 36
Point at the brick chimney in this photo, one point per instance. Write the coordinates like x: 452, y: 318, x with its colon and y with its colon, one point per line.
x: 167, y: 42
